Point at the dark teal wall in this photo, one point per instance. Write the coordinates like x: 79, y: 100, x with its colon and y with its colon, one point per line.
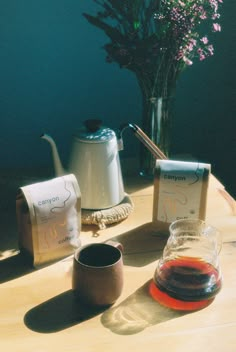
x: 206, y: 105
x: 53, y: 75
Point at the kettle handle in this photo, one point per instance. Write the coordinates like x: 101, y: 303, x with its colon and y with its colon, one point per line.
x: 153, y: 148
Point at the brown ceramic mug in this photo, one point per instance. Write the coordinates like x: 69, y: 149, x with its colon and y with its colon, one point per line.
x: 97, y: 277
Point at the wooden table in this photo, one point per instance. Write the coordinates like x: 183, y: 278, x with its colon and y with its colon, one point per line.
x: 38, y: 312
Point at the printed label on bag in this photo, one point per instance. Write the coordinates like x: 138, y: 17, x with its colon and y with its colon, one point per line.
x: 179, y: 191
x: 49, y: 219
x: 55, y: 213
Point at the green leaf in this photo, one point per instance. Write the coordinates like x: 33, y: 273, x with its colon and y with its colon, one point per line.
x: 136, y: 25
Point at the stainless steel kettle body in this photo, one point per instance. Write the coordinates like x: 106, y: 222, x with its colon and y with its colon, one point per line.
x: 95, y: 162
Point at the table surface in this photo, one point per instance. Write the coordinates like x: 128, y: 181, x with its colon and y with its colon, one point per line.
x: 39, y: 313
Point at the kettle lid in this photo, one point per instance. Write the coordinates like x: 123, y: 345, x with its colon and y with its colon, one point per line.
x: 94, y: 132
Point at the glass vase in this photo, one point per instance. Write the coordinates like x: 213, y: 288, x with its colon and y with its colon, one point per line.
x: 156, y: 123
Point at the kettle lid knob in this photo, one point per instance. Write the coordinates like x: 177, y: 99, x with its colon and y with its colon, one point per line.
x: 93, y: 125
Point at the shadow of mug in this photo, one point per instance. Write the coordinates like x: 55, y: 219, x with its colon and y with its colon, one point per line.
x: 59, y: 313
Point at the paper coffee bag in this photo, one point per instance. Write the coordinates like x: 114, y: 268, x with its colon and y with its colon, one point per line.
x: 180, y: 192
x: 49, y: 219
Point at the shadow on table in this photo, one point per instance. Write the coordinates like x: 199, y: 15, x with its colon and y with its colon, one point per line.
x: 13, y: 267
x: 59, y: 313
x: 142, y: 245
x: 131, y: 316
x: 138, y: 312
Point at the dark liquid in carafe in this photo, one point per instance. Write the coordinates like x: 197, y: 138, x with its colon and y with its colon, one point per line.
x: 188, y: 280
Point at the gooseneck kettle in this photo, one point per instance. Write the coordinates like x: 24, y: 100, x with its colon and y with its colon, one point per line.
x: 95, y: 162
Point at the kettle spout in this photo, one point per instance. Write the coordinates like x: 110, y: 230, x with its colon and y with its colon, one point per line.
x: 59, y: 171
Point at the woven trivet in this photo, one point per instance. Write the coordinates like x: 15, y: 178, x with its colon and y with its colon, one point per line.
x: 109, y: 216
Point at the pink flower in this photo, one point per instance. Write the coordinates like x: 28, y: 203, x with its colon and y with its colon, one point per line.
x: 204, y: 40
x: 210, y: 49
x: 215, y: 16
x: 216, y: 27
x: 193, y: 41
x: 203, y: 15
x: 179, y: 55
x: 187, y: 61
x: 181, y: 3
x: 202, y: 57
x: 214, y: 4
x: 190, y: 46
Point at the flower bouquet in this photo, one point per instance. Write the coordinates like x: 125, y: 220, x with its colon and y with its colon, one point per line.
x: 157, y: 40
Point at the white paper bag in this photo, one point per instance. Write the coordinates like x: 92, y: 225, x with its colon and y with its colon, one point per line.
x: 180, y: 191
x: 49, y: 219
